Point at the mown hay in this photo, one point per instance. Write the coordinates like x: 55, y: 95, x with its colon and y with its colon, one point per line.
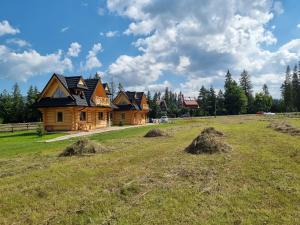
x: 83, y: 147
x: 212, y: 131
x: 155, y: 133
x: 284, y: 127
x: 209, y: 141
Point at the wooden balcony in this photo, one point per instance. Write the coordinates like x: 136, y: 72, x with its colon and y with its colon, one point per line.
x: 101, y: 101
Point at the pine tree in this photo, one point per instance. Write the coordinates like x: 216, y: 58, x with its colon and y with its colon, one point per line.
x: 295, y: 90
x: 265, y: 90
x: 220, y: 103
x: 263, y: 100
x: 235, y: 98
x: 120, y: 87
x: 32, y: 113
x: 6, y: 106
x: 211, y: 101
x: 203, y: 100
x: 17, y: 105
x: 286, y: 90
x: 246, y: 85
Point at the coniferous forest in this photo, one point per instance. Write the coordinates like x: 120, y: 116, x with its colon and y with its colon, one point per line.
x: 237, y: 97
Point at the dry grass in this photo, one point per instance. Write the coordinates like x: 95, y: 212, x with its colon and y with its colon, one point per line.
x: 284, y: 127
x: 83, y: 147
x: 209, y: 141
x: 155, y: 133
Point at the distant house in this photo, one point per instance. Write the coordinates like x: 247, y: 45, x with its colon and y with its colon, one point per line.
x: 131, y: 108
x: 162, y: 105
x: 74, y: 103
x: 190, y: 103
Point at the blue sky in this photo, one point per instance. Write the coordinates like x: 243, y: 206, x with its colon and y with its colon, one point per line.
x: 148, y: 45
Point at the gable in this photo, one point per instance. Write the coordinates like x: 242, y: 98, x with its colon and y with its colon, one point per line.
x: 99, y: 91
x: 122, y: 99
x: 81, y: 82
x: 51, y: 88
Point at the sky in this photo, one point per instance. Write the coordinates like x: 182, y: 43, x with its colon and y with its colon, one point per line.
x: 149, y: 44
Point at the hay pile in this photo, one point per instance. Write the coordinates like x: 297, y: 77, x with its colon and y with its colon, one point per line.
x: 209, y: 141
x: 155, y: 133
x: 83, y: 147
x: 284, y: 127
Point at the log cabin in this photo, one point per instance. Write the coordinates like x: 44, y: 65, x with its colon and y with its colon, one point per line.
x: 131, y: 108
x: 74, y: 103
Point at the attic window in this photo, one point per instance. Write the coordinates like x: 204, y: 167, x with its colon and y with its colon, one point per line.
x: 58, y: 93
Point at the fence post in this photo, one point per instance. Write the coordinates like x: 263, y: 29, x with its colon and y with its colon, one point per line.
x: 27, y: 125
x: 12, y: 128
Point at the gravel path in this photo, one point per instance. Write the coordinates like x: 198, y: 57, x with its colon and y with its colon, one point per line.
x: 97, y: 131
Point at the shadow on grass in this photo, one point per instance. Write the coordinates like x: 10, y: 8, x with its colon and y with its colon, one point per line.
x: 12, y: 135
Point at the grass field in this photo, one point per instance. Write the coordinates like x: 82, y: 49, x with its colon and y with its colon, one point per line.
x: 152, y: 180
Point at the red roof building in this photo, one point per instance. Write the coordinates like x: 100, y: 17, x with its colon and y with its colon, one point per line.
x: 190, y: 103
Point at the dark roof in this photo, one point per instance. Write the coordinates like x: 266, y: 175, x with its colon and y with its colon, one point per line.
x: 71, y: 83
x: 135, y: 99
x: 105, y: 85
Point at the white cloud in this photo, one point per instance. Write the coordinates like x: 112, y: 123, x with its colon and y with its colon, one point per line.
x: 26, y: 64
x: 298, y: 25
x: 211, y: 37
x: 91, y: 59
x: 101, y: 11
x: 64, y: 29
x: 74, y: 49
x: 278, y: 7
x: 18, y: 42
x: 6, y: 28
x: 111, y: 33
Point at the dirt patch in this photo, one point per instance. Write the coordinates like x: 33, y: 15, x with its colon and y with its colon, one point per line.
x: 155, y: 133
x: 209, y: 141
x: 83, y: 147
x: 284, y: 127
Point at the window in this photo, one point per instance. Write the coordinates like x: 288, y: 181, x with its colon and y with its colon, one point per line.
x: 123, y: 116
x: 59, y: 117
x: 82, y: 116
x: 100, y: 116
x: 59, y: 93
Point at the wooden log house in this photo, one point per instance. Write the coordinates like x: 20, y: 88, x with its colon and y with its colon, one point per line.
x: 131, y: 108
x: 74, y: 103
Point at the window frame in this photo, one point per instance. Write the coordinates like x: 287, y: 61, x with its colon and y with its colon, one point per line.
x: 123, y: 116
x: 57, y: 117
x: 100, y: 116
x: 82, y: 118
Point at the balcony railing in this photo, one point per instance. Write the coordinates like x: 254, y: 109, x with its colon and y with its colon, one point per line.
x: 101, y: 101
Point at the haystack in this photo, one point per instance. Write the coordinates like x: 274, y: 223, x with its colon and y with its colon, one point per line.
x: 155, y: 133
x: 209, y: 141
x: 284, y: 127
x: 83, y: 147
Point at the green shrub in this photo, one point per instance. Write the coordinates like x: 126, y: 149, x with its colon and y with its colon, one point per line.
x: 121, y: 123
x: 40, y: 131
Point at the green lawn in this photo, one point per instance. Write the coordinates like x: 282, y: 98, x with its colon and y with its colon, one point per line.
x: 152, y: 180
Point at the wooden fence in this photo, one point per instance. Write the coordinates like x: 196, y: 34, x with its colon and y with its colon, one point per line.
x: 12, y: 127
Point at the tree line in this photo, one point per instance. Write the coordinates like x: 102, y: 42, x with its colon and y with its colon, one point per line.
x: 15, y: 108
x: 236, y: 98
